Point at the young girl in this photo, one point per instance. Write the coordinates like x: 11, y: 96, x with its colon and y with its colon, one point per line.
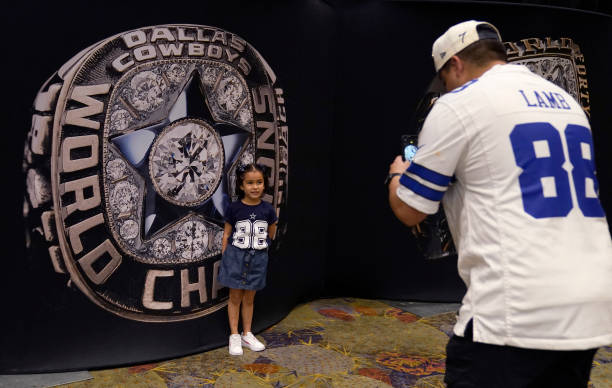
x: 249, y: 221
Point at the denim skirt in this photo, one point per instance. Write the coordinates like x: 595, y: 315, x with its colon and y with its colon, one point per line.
x: 243, y: 268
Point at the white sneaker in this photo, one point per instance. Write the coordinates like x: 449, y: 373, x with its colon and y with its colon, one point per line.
x: 252, y: 343
x: 235, y: 346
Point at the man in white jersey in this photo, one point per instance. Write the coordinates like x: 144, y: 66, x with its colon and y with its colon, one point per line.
x: 511, y: 156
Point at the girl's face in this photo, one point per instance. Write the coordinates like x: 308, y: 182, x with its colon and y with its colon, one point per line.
x: 253, y: 185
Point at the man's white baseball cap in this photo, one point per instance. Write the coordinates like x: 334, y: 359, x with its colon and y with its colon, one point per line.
x: 459, y: 37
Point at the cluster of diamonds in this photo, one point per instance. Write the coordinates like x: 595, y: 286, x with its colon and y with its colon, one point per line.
x: 144, y: 93
x: 188, y: 241
x: 228, y: 95
x: 124, y: 198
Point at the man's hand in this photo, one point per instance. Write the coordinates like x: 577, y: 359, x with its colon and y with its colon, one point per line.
x: 398, y: 165
x: 408, y: 215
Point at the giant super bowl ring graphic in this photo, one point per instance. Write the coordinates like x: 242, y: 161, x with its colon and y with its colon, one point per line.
x: 131, y: 160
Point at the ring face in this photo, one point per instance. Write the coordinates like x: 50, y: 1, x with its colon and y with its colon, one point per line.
x: 186, y: 162
x: 147, y: 130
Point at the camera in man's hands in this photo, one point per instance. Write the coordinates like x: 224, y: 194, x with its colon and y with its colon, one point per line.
x: 408, y: 147
x: 433, y: 237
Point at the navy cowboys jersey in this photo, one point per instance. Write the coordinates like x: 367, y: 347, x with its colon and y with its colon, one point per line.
x: 510, y: 155
x: 250, y: 224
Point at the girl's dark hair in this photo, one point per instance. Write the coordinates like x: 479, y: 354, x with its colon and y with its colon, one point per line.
x: 241, y: 172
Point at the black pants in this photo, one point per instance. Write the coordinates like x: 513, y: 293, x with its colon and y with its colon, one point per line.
x: 473, y: 364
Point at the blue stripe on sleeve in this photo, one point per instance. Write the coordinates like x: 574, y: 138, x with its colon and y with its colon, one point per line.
x: 420, y: 189
x: 429, y: 175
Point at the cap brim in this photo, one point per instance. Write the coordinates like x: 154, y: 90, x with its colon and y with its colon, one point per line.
x: 436, y: 86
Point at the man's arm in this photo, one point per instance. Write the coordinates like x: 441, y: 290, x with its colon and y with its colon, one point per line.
x: 405, y: 213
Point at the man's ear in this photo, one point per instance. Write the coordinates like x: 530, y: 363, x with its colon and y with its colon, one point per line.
x: 457, y: 63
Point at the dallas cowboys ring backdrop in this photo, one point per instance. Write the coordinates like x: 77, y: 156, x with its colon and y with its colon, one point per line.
x: 131, y: 161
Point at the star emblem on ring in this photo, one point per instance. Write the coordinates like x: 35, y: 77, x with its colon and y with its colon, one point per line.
x: 186, y: 159
x: 179, y: 162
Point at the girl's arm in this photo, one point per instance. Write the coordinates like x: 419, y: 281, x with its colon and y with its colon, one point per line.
x: 272, y: 231
x: 226, y: 233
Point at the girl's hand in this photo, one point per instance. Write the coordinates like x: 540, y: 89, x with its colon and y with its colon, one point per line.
x: 272, y: 231
x: 227, y: 230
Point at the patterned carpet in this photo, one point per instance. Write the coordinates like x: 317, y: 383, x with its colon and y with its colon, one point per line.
x: 342, y: 342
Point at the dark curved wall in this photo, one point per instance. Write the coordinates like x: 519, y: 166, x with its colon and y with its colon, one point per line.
x: 384, y: 69
x: 352, y: 74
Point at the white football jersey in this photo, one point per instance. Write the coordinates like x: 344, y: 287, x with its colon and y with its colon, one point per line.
x: 511, y: 156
